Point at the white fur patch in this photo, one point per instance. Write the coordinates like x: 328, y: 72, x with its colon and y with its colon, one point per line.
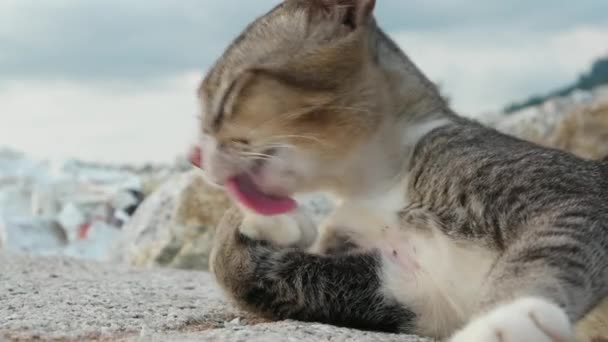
x: 293, y: 229
x: 526, y: 319
x: 382, y: 209
x: 437, y: 277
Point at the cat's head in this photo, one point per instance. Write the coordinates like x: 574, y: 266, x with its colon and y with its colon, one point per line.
x: 291, y: 102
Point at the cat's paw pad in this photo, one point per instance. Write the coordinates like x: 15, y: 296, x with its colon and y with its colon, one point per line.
x: 289, y: 230
x: 526, y: 319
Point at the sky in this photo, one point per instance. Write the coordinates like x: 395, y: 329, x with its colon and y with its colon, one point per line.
x: 115, y: 80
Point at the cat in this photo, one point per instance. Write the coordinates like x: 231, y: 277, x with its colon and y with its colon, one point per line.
x: 442, y: 228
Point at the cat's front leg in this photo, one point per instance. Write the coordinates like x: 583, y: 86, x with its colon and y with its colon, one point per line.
x: 531, y: 319
x: 294, y: 229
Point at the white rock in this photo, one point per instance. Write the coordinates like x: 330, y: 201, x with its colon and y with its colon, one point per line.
x: 31, y: 235
x: 44, y: 202
x: 71, y: 218
x: 97, y: 243
x: 123, y: 199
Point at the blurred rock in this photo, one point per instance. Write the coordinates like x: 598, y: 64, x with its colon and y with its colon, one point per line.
x: 577, y: 123
x: 40, y: 200
x: 584, y: 132
x: 31, y: 235
x: 94, y: 242
x: 78, y: 208
x: 125, y: 199
x: 71, y: 218
x: 174, y: 226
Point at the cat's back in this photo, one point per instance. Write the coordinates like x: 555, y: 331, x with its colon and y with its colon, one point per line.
x: 487, y: 185
x: 488, y: 159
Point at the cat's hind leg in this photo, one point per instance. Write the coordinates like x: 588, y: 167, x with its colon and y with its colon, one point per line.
x: 541, y: 285
x: 290, y: 283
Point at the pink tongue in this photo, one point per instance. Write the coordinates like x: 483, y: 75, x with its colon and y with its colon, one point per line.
x: 243, y: 189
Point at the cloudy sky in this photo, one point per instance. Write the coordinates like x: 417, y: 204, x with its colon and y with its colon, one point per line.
x: 114, y: 80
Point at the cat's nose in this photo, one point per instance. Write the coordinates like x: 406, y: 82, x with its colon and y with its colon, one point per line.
x: 195, y: 156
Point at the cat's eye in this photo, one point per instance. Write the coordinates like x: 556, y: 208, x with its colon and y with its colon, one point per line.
x: 242, y: 142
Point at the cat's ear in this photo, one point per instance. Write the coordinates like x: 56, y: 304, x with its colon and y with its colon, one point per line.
x: 356, y: 13
x: 359, y: 12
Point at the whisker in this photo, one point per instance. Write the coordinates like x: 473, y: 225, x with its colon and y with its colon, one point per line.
x: 255, y: 158
x: 361, y: 110
x: 278, y: 146
x: 303, y: 137
x: 257, y: 155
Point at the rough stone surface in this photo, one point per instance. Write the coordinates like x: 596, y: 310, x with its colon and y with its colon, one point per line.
x: 584, y: 132
x: 576, y: 125
x: 174, y: 227
x: 68, y: 300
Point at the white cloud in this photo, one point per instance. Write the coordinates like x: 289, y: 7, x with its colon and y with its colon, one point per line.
x: 155, y: 121
x: 483, y: 70
x: 109, y: 123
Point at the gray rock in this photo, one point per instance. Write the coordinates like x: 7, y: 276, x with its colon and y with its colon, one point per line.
x: 59, y: 298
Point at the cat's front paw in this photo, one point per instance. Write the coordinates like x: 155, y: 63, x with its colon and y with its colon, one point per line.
x: 524, y: 320
x: 294, y: 229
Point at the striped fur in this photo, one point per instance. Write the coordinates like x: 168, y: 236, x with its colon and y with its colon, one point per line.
x: 443, y: 227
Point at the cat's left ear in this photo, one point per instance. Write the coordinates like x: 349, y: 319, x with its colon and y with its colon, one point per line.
x: 359, y: 12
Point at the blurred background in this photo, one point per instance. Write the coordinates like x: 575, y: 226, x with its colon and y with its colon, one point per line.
x: 114, y: 80
x: 98, y: 107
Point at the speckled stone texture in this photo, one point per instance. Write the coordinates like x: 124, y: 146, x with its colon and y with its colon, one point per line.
x: 68, y: 300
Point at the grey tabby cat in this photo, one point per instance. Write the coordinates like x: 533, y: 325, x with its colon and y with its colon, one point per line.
x: 443, y: 227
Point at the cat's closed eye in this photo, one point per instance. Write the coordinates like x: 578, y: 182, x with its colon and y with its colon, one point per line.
x: 240, y: 141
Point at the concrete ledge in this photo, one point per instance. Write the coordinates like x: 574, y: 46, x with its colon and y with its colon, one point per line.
x: 68, y: 300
